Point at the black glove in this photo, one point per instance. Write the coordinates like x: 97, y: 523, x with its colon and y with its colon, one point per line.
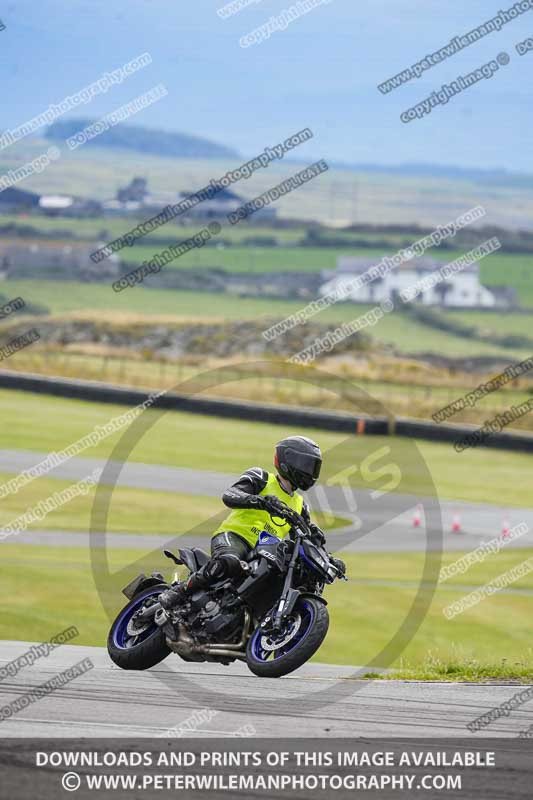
x: 283, y: 554
x: 339, y: 564
x: 251, y: 500
x: 273, y: 505
x: 317, y: 535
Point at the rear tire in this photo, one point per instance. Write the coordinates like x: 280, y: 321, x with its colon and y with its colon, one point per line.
x: 315, y: 616
x: 151, y: 648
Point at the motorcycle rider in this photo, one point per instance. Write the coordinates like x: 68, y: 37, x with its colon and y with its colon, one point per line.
x: 256, y: 496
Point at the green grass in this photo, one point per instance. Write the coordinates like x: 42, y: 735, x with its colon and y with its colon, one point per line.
x: 64, y: 296
x: 255, y: 259
x: 460, y: 669
x: 405, y: 568
x: 496, y: 322
x: 396, y: 330
x: 51, y: 588
x: 490, y: 640
x: 511, y: 270
x: 45, y: 423
x: 131, y: 511
x: 365, y: 619
x: 56, y: 588
x: 412, y: 337
x: 487, y: 642
x: 91, y: 229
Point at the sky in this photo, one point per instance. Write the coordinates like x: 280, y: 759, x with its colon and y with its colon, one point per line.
x: 321, y: 72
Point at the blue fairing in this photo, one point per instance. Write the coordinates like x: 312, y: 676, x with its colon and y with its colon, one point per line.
x: 267, y: 538
x: 308, y: 561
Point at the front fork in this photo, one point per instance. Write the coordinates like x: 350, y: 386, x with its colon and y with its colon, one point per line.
x: 289, y: 596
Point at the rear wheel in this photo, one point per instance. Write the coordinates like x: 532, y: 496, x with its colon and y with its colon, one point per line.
x: 137, y: 645
x: 271, y: 655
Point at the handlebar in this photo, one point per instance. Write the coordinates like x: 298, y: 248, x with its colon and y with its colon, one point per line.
x: 293, y: 518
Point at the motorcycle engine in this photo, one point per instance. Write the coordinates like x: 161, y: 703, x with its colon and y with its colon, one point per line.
x: 208, y: 620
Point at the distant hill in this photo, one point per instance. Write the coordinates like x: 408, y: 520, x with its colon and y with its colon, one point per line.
x: 498, y: 177
x: 144, y: 140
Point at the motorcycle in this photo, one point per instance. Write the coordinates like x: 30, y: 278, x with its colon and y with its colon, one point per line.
x: 273, y: 617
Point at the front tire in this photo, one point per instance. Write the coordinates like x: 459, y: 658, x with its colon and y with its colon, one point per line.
x: 144, y: 650
x: 267, y: 662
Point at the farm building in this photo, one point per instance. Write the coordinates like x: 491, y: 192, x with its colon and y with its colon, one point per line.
x: 54, y: 260
x: 462, y: 290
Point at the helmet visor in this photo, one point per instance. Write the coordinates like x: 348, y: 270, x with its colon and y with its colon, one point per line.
x: 305, y: 463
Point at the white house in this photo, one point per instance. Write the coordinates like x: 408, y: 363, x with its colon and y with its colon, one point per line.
x: 462, y: 290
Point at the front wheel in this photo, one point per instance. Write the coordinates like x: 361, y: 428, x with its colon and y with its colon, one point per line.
x: 136, y: 645
x: 271, y: 655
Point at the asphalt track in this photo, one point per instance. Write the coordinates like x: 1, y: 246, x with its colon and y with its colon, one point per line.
x: 383, y: 526
x: 108, y: 702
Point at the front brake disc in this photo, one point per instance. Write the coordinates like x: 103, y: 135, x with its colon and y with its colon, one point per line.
x: 269, y: 643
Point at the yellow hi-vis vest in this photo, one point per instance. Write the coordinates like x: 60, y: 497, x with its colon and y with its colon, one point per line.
x: 249, y: 522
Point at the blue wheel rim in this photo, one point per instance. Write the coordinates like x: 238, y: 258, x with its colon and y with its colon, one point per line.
x: 121, y: 638
x: 307, y: 612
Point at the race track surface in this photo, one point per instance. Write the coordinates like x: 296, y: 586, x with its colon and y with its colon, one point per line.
x: 317, y: 700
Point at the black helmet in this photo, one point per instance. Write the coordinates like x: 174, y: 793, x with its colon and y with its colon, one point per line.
x: 298, y: 459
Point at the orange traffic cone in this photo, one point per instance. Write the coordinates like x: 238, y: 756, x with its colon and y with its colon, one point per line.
x: 506, y: 529
x: 417, y: 517
x: 456, y: 524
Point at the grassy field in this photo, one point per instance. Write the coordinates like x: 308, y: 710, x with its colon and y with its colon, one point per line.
x: 255, y: 259
x: 132, y: 510
x: 396, y: 330
x: 65, y: 296
x: 402, y: 394
x: 55, y: 589
x: 493, y: 632
x: 497, y: 323
x: 513, y: 271
x: 340, y: 196
x: 110, y: 228
x: 44, y: 423
x: 506, y: 269
x: 510, y: 269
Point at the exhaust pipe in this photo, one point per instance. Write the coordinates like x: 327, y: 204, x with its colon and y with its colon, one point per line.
x: 185, y: 645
